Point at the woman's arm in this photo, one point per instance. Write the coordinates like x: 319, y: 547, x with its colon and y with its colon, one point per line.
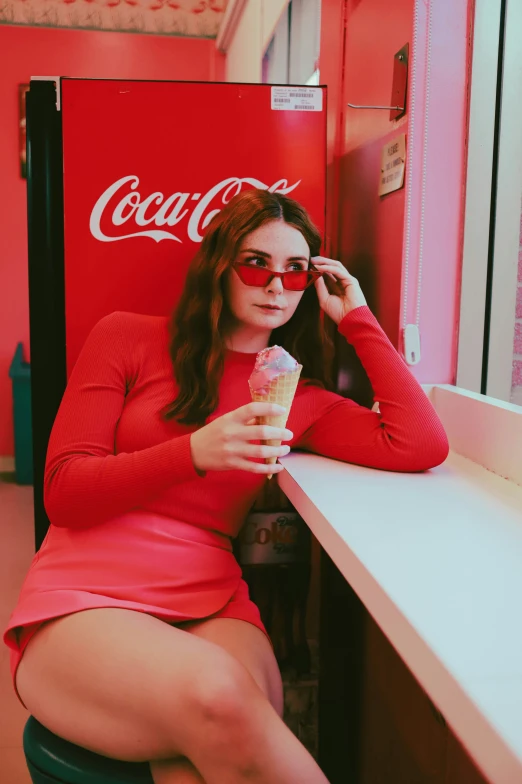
x: 85, y: 483
x: 406, y: 435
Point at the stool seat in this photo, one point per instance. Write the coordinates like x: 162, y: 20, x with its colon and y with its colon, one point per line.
x: 52, y: 759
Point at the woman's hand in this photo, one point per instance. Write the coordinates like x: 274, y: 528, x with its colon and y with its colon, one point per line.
x: 224, y: 444
x: 347, y: 293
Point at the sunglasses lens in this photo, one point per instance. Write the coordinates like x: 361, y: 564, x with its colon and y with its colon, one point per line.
x: 296, y: 281
x: 253, y: 276
x: 260, y: 276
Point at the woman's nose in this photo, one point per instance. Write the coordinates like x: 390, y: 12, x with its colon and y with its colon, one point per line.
x: 275, y: 286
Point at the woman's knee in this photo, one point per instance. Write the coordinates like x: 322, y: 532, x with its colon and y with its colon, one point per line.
x: 251, y: 648
x: 229, y: 712
x: 220, y: 694
x: 224, y: 699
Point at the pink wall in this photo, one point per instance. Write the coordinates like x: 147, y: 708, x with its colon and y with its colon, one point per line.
x: 370, y: 228
x: 31, y: 51
x: 452, y: 30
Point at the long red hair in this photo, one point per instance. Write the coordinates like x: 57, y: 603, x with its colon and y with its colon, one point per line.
x: 198, y: 324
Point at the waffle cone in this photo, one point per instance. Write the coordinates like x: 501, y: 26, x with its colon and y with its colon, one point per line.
x: 281, y: 391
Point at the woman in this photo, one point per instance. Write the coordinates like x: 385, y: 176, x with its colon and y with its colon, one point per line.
x: 138, y: 637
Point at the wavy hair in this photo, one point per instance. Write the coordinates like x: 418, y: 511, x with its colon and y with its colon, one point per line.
x: 199, y: 322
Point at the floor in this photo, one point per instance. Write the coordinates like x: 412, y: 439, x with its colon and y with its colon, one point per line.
x: 16, y: 552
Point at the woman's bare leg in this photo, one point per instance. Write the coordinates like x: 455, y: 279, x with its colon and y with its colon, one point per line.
x: 252, y: 649
x: 179, y: 771
x: 131, y: 687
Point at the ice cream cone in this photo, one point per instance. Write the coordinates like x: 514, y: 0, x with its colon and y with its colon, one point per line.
x: 281, y: 390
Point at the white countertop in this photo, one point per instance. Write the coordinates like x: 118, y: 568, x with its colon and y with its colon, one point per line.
x: 436, y: 558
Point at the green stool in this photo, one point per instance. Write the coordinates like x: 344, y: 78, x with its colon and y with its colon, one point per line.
x: 53, y: 760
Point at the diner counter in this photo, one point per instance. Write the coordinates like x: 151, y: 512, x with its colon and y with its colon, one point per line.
x: 436, y: 558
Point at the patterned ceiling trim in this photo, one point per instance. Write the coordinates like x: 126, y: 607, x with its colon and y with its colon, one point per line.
x: 200, y: 18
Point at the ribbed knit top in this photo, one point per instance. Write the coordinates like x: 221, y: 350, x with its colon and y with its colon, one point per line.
x: 111, y: 452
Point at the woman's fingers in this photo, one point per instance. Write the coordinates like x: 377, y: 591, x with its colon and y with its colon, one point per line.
x: 267, y: 433
x: 253, y: 410
x: 259, y: 468
x: 334, y: 267
x: 321, y: 261
x: 229, y: 441
x: 336, y: 272
x: 262, y: 451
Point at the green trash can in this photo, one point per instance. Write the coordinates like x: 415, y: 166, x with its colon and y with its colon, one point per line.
x: 20, y: 373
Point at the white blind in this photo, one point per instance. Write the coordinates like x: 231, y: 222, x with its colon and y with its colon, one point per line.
x: 305, y: 37
x: 293, y: 52
x: 277, y: 53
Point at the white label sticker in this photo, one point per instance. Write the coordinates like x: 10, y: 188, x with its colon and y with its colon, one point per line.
x: 297, y: 99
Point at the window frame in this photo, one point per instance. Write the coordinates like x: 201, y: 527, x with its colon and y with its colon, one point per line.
x: 492, y: 206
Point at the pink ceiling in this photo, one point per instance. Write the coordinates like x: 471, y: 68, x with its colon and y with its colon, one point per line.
x: 200, y: 18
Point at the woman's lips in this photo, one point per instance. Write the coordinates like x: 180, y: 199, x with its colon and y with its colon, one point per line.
x: 269, y: 307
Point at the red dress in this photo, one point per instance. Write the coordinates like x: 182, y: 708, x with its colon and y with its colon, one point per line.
x: 132, y: 523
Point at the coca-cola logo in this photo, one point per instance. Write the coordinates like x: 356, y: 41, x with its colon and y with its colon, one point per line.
x: 123, y: 204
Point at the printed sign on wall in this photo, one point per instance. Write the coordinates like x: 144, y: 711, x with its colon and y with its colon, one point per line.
x: 393, y: 163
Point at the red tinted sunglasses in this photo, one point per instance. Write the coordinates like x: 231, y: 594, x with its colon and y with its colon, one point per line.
x: 295, y: 280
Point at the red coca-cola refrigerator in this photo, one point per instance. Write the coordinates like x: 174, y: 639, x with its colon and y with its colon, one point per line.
x: 123, y: 178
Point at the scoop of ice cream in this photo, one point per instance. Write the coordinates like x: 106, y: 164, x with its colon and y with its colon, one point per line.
x: 270, y: 362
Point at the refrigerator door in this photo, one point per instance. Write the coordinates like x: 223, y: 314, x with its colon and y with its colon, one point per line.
x: 147, y: 164
x: 123, y: 177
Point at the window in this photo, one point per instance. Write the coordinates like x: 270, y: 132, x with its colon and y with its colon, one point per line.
x: 490, y: 339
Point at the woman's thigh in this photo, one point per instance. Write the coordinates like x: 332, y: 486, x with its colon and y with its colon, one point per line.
x: 250, y: 646
x: 125, y: 684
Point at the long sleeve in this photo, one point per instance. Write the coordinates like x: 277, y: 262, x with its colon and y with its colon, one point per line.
x: 85, y: 482
x: 406, y: 435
